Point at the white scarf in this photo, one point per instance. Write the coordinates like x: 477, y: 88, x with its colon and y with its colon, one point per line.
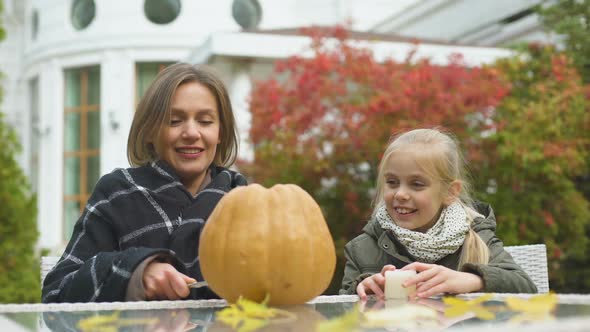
x: 444, y: 238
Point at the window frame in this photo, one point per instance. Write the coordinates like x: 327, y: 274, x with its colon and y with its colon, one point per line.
x: 84, y: 153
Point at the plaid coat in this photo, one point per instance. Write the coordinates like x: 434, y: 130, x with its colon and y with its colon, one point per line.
x: 135, y: 213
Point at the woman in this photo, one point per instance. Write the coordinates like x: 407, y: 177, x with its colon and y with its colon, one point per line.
x: 138, y: 235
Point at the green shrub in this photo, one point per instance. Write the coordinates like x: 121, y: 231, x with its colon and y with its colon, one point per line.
x: 538, y: 144
x: 569, y: 18
x: 19, y: 267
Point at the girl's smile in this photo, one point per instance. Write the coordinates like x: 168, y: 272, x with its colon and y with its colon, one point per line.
x: 404, y: 211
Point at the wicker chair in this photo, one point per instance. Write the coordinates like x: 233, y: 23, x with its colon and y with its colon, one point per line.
x: 533, y: 260
x: 47, y: 263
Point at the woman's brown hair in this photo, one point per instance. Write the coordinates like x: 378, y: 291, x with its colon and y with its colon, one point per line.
x: 153, y: 113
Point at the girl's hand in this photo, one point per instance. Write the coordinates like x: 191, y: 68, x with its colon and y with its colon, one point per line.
x: 161, y: 281
x: 434, y: 279
x: 374, y: 284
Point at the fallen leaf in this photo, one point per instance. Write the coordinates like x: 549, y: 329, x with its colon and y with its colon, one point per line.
x: 538, y: 304
x: 458, y: 307
x: 111, y: 323
x: 247, y: 316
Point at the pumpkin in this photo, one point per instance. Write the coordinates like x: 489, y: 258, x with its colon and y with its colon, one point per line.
x: 274, y: 242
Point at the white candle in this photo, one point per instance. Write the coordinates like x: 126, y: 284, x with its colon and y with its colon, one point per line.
x: 393, y: 284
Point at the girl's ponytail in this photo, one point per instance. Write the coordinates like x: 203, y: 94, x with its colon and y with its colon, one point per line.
x: 474, y: 250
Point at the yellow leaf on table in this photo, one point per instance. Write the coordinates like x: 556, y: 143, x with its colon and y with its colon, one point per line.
x: 458, y: 307
x: 94, y: 322
x: 111, y: 323
x: 457, y: 301
x: 538, y: 304
x: 246, y: 315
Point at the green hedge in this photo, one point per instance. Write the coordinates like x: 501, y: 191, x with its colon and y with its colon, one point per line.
x: 19, y: 266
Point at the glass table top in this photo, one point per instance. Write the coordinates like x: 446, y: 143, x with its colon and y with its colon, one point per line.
x: 325, y: 313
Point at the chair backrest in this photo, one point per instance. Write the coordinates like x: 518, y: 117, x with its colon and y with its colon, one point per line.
x: 533, y: 260
x: 47, y: 263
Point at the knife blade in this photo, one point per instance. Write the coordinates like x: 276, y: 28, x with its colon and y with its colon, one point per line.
x: 198, y: 284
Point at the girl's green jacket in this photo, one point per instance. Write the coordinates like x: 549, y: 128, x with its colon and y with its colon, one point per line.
x: 369, y: 252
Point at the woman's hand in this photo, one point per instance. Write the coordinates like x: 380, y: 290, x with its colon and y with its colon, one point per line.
x: 171, y: 321
x: 434, y: 279
x: 161, y: 281
x: 374, y: 284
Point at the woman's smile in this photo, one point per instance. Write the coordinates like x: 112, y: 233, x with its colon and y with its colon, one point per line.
x: 189, y: 152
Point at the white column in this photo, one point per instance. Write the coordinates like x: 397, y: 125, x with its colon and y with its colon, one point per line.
x: 50, y: 196
x: 240, y: 90
x: 117, y: 107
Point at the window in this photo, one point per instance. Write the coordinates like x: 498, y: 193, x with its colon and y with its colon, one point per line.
x: 81, y: 141
x: 247, y: 13
x: 161, y: 11
x: 83, y: 12
x: 145, y: 72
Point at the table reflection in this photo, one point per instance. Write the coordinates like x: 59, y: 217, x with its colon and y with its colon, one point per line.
x: 175, y: 320
x: 324, y: 312
x: 303, y: 318
x: 410, y: 315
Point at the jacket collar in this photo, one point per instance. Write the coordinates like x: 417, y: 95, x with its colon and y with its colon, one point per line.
x: 386, y: 242
x: 170, y: 172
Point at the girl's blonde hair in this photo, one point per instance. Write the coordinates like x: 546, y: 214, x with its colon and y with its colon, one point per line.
x: 438, y: 154
x: 153, y: 113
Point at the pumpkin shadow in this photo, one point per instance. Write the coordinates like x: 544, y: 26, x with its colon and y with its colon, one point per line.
x: 305, y: 318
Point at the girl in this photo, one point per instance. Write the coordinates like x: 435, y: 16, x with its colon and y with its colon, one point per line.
x: 137, y: 238
x: 425, y: 220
